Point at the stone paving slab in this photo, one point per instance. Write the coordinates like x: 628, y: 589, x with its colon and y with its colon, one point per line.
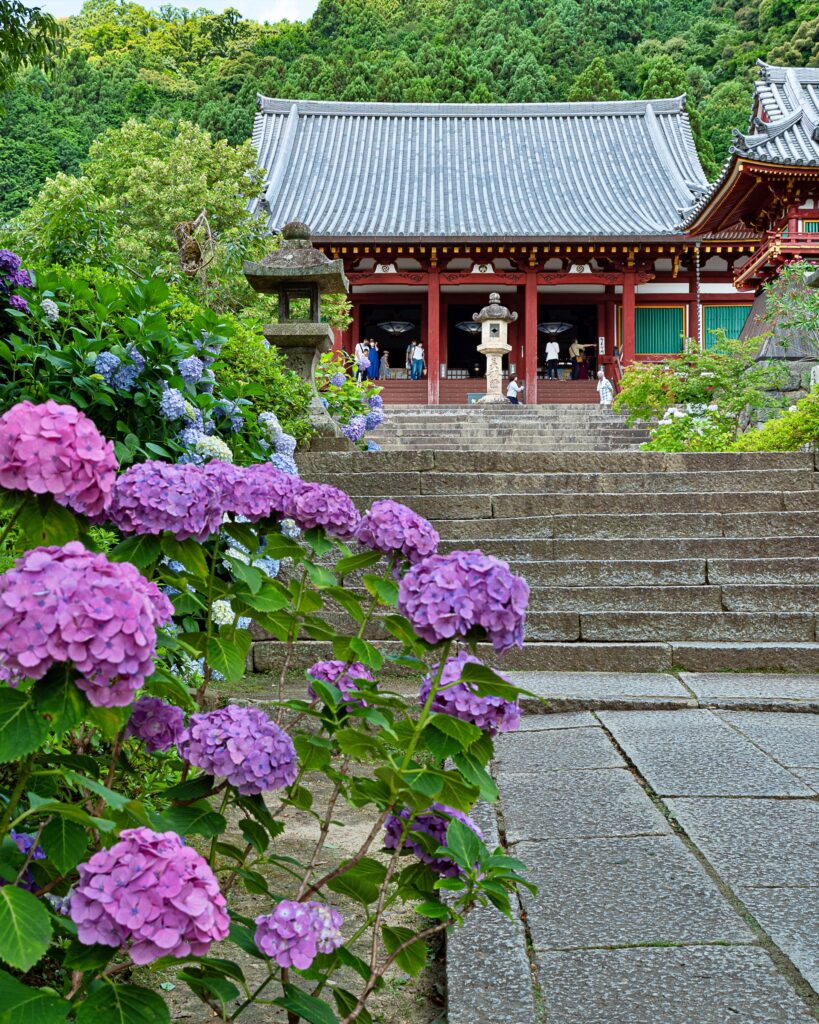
x: 614, y: 892
x: 792, y: 738
x: 698, y: 985
x: 577, y: 805
x: 754, y: 689
x: 553, y: 750
x: 790, y: 917
x: 694, y: 753
x: 603, y: 689
x: 810, y: 776
x: 562, y: 720
x: 755, y: 842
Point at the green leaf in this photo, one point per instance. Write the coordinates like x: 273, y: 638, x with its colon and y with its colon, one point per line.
x: 385, y: 590
x: 79, y: 957
x: 64, y: 843
x: 279, y: 547
x: 140, y: 551
x: 487, y: 683
x: 314, y: 752
x: 242, y: 936
x: 227, y: 654
x: 71, y: 811
x: 314, y: 1011
x: 475, y: 773
x: 433, y: 910
x: 208, y: 985
x: 197, y: 819
x: 362, y: 882
x: 252, y: 578
x: 58, y: 698
x: 43, y: 522
x: 301, y: 797
x: 317, y: 539
x: 109, y: 721
x: 192, y: 789
x: 25, y: 928
x: 123, y: 1004
x: 254, y: 834
x: 359, y: 745
x: 188, y: 552
x: 320, y: 577
x: 271, y: 598
x: 352, y: 563
x: 22, y: 728
x: 20, y: 1004
x: 347, y: 1002
x: 112, y: 799
x: 412, y: 959
x: 464, y: 732
x: 348, y: 601
x: 462, y: 844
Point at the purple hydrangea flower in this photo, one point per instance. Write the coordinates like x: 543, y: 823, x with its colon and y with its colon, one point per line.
x: 432, y: 825
x: 153, y: 496
x: 492, y: 714
x: 191, y: 369
x: 18, y: 302
x: 338, y: 379
x: 341, y: 675
x: 293, y: 933
x: 375, y: 401
x: 9, y: 261
x: 25, y: 843
x: 172, y: 404
x: 450, y: 595
x: 55, y: 449
x: 241, y: 745
x: 156, y: 724
x: 373, y: 419
x: 20, y: 279
x: 255, y: 492
x: 395, y: 529
x: 354, y: 430
x: 322, y: 505
x: 285, y: 444
x: 150, y: 894
x: 106, y: 365
x: 69, y: 604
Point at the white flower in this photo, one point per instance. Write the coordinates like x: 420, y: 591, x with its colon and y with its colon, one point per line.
x: 222, y: 614
x: 269, y: 422
x: 51, y: 311
x: 213, y: 448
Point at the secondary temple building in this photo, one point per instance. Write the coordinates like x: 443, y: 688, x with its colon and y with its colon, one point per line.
x: 593, y: 221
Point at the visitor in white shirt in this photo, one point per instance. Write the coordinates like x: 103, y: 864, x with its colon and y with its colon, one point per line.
x: 513, y: 389
x: 552, y: 359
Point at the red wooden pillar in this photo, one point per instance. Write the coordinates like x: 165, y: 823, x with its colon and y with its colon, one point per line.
x: 530, y: 336
x: 355, y: 326
x: 433, y: 337
x: 629, y: 319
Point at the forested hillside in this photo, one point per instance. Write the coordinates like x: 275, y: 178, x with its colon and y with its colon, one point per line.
x: 124, y: 61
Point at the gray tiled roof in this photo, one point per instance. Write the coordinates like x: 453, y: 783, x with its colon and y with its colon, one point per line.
x: 784, y: 127
x: 449, y: 171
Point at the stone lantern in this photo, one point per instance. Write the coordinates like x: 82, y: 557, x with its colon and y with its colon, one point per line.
x: 300, y: 271
x: 494, y: 320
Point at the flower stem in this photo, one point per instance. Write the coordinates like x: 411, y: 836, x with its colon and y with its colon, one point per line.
x: 425, y: 711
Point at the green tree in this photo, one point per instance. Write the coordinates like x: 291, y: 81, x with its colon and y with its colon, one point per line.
x: 28, y: 36
x: 596, y: 82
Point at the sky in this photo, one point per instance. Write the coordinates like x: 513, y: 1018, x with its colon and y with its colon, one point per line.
x: 258, y: 10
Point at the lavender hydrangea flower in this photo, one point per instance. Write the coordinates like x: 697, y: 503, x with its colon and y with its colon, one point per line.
x: 284, y: 463
x: 9, y: 261
x: 375, y: 401
x: 17, y: 302
x: 172, y: 405
x: 450, y: 595
x: 68, y: 604
x: 106, y: 365
x: 373, y: 419
x: 20, y: 279
x: 25, y: 843
x: 341, y: 675
x: 51, y: 311
x: 354, y: 430
x: 395, y: 529
x: 255, y: 492
x: 189, y: 437
x: 322, y: 505
x: 150, y: 894
x: 432, y: 825
x: 293, y: 933
x: 191, y: 369
x: 156, y: 724
x: 492, y: 714
x: 285, y: 444
x: 241, y: 745
x: 338, y: 379
x: 55, y: 449
x: 153, y: 496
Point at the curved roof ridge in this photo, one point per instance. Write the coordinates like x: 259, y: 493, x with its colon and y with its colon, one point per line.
x: 273, y: 105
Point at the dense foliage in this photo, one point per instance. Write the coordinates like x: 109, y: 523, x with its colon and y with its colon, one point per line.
x: 797, y: 427
x: 123, y: 61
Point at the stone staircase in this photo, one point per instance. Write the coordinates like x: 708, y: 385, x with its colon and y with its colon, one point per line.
x: 522, y: 428
x: 637, y: 561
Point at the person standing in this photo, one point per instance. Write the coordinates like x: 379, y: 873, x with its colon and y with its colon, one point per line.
x: 575, y: 354
x: 513, y: 389
x: 418, y: 361
x: 362, y: 360
x: 384, y: 367
x: 552, y: 359
x: 372, y: 373
x: 604, y: 389
x: 410, y: 349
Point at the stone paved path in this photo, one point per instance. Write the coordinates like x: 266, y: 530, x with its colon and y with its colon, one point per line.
x: 672, y: 827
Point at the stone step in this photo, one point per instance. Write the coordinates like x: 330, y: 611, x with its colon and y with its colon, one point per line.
x: 745, y: 597
x: 520, y: 553
x: 697, y: 626
x: 764, y: 570
x: 739, y: 597
x: 621, y: 572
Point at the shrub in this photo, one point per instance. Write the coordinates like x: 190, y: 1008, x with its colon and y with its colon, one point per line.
x: 797, y: 427
x: 358, y: 407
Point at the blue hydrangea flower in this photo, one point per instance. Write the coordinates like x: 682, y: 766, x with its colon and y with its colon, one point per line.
x: 354, y: 430
x: 243, y: 622
x: 269, y: 422
x: 375, y: 401
x: 324, y: 402
x: 191, y: 369
x: 285, y: 463
x: 125, y: 377
x: 374, y: 419
x: 106, y: 365
x: 172, y: 404
x: 285, y: 444
x: 338, y: 380
x: 269, y: 566
x: 373, y: 447
x: 289, y: 529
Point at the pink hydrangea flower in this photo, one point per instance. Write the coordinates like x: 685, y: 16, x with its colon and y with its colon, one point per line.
x: 150, y: 894
x: 395, y: 529
x: 451, y: 595
x: 57, y: 450
x: 293, y: 933
x: 432, y: 825
x: 256, y: 492
x: 241, y: 745
x: 185, y: 499
x: 322, y: 505
x: 492, y: 714
x: 70, y: 604
x: 156, y: 724
x: 341, y: 675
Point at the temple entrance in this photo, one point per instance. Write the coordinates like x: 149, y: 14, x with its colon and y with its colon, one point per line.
x: 463, y: 359
x: 566, y: 324
x: 393, y: 327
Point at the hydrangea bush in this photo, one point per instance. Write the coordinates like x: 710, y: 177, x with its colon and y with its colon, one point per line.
x: 358, y: 407
x: 123, y: 787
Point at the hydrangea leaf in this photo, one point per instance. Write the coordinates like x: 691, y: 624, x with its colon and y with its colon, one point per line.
x: 307, y: 1007
x: 473, y: 771
x: 197, y: 819
x: 227, y: 654
x: 123, y: 1004
x: 353, y: 563
x: 487, y: 683
x: 80, y: 957
x: 23, y: 1005
x: 362, y: 882
x: 25, y: 928
x: 348, y: 601
x: 462, y: 845
x: 464, y: 732
x: 58, y: 698
x: 64, y: 843
x: 412, y: 959
x: 319, y: 576
x: 22, y: 727
x: 140, y: 551
x: 43, y: 522
x: 385, y: 590
x: 347, y: 1002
